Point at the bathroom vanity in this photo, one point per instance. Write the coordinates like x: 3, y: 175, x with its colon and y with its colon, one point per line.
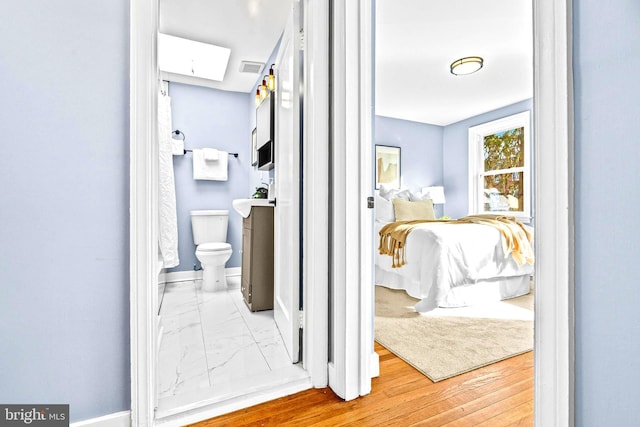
x: 257, y: 258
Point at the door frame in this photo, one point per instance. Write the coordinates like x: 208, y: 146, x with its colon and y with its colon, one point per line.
x: 353, y: 360
x: 143, y: 232
x: 553, y: 153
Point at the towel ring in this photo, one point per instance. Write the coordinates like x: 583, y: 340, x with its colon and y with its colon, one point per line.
x: 179, y: 132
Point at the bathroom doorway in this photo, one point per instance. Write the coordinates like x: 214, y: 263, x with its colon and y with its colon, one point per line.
x: 215, y: 346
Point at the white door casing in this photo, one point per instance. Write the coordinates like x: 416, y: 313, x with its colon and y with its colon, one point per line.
x: 286, y: 288
x: 553, y: 154
x: 353, y: 361
x: 143, y: 233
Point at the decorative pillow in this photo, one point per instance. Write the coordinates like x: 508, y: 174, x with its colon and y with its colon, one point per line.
x: 384, y: 209
x: 411, y: 211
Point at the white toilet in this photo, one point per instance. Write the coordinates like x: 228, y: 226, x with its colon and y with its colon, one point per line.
x: 210, y: 235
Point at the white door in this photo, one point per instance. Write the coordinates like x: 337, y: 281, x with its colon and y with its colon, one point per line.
x: 287, y: 182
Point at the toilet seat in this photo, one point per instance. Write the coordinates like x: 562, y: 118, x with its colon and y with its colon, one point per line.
x: 213, y: 247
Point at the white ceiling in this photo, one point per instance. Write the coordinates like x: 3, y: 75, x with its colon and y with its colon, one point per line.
x: 250, y: 28
x: 415, y: 42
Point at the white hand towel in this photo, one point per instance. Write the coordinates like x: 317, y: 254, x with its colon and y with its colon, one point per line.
x: 177, y: 147
x: 210, y: 154
x: 213, y: 171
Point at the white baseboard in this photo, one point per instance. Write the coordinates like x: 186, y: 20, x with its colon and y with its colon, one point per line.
x: 337, y: 387
x: 118, y: 419
x: 180, y: 276
x: 233, y: 271
x: 186, y: 276
x: 374, y: 364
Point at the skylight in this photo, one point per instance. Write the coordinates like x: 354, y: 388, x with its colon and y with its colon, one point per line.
x: 192, y: 58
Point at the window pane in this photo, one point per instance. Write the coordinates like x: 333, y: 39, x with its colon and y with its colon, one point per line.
x: 504, y: 150
x: 503, y: 192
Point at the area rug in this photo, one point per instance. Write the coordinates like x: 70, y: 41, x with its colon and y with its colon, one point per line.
x: 451, y: 341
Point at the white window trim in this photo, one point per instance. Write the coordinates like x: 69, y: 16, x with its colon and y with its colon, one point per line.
x: 476, y: 164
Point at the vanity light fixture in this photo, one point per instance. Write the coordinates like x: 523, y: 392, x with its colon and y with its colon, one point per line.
x: 263, y: 88
x: 268, y: 85
x: 261, y: 91
x: 271, y: 83
x: 258, y: 98
x: 467, y: 65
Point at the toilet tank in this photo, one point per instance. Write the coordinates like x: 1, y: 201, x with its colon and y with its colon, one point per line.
x: 209, y: 226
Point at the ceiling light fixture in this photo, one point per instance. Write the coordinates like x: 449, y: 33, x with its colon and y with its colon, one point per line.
x: 467, y: 65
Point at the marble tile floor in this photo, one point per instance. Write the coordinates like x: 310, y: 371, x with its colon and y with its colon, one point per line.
x: 212, y: 344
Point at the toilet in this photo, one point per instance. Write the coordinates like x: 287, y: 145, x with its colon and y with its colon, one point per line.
x: 210, y: 235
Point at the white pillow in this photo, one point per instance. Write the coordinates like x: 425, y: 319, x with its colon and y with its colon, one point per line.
x: 392, y: 193
x: 404, y: 195
x: 388, y: 193
x: 416, y: 197
x: 384, y: 209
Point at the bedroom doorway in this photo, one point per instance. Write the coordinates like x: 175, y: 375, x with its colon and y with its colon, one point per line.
x: 552, y: 152
x: 448, y: 128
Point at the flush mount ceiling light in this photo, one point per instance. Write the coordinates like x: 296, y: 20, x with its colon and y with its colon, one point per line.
x: 467, y: 65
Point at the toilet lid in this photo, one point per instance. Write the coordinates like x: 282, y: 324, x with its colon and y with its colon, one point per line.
x: 213, y: 247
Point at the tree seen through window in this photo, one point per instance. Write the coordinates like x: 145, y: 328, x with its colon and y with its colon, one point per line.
x: 503, y: 170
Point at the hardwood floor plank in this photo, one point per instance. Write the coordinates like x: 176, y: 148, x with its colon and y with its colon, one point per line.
x: 471, y: 406
x: 511, y: 404
x: 424, y: 406
x: 498, y: 394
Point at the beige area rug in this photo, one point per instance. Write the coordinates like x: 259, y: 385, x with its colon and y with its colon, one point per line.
x: 451, y: 341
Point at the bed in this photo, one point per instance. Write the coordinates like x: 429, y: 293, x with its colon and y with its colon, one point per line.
x: 454, y: 265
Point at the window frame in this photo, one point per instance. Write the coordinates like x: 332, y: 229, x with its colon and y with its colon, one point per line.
x: 476, y: 164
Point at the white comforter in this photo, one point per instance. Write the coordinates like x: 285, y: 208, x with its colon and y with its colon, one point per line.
x: 440, y: 257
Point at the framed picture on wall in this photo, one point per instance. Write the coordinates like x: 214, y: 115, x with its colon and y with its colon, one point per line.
x: 387, y: 166
x: 254, y: 148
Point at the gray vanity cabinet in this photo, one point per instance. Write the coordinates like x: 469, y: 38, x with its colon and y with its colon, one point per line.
x: 257, y: 259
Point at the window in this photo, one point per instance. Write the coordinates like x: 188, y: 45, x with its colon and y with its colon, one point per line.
x: 499, y: 167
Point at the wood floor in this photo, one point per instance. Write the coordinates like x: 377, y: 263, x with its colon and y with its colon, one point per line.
x: 496, y: 395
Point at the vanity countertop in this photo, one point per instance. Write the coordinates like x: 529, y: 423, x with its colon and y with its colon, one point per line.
x: 243, y: 206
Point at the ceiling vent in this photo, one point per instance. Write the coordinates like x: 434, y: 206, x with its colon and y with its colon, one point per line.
x: 251, y: 67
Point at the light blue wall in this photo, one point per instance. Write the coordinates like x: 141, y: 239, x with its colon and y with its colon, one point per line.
x: 216, y: 119
x: 421, y: 149
x: 64, y: 220
x: 607, y: 155
x: 455, y: 147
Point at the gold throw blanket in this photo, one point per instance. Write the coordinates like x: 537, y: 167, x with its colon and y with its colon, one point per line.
x: 516, y: 238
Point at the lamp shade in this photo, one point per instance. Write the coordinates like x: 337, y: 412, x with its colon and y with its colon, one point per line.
x: 436, y: 194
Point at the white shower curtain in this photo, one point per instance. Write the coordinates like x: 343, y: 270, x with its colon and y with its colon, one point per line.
x: 168, y: 221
